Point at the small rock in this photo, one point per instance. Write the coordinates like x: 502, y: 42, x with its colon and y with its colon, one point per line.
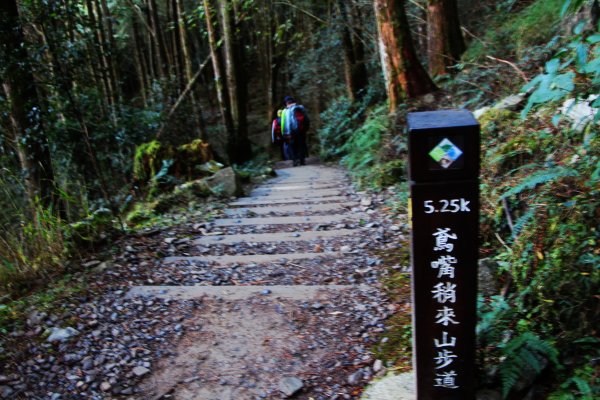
x: 35, y: 318
x: 265, y: 292
x: 105, y: 386
x: 140, y: 371
x: 377, y: 365
x: 87, y: 364
x: 169, y: 240
x: 512, y: 102
x: 290, y: 385
x: 479, y: 112
x: 60, y: 335
x: 6, y: 392
x: 345, y: 249
x: 354, y: 378
x: 366, y: 201
x: 91, y: 264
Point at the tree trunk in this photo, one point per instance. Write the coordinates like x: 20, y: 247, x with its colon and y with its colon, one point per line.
x: 404, y: 74
x: 101, y: 56
x: 176, y: 47
x: 445, y: 41
x: 220, y: 84
x: 354, y: 64
x: 65, y: 82
x: 226, y: 24
x: 157, y: 37
x: 139, y: 61
x: 26, y: 123
x: 196, y: 110
x: 112, y: 47
x: 360, y: 73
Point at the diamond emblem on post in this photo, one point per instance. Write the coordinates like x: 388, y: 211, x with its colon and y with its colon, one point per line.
x: 445, y: 153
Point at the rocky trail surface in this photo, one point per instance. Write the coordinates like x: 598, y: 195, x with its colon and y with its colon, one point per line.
x: 277, y: 297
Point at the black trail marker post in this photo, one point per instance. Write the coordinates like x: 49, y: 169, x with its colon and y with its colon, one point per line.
x: 444, y: 187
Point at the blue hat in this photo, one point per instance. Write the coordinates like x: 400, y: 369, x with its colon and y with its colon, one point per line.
x: 288, y: 99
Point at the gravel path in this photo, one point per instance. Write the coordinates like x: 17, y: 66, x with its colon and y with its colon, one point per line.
x: 170, y: 317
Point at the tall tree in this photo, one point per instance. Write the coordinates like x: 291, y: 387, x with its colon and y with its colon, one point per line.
x: 25, y: 122
x: 355, y: 70
x: 187, y: 61
x: 444, y: 37
x: 404, y: 74
x: 239, y: 149
x: 220, y: 84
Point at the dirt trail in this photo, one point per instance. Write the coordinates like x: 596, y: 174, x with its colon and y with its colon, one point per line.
x: 280, y: 341
x: 278, y: 297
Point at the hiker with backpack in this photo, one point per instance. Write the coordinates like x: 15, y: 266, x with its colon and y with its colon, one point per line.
x: 294, y: 127
x: 277, y: 136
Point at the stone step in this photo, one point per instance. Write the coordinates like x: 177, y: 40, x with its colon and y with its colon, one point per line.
x: 291, y: 209
x: 295, y: 292
x: 276, y: 237
x: 298, y: 194
x: 250, y: 259
x: 267, y: 201
x: 291, y: 220
x: 282, y: 187
x: 304, y: 182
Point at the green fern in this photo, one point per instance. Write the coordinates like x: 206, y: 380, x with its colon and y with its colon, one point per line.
x: 524, y: 352
x: 540, y: 177
x: 523, y: 220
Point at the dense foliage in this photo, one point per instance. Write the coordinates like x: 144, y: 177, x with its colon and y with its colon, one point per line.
x: 132, y: 99
x: 539, y: 188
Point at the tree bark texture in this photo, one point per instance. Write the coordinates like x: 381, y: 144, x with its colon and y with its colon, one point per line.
x: 196, y: 109
x: 445, y: 41
x: 227, y: 30
x: 355, y: 70
x: 160, y: 51
x: 404, y: 74
x: 25, y: 119
x: 220, y: 84
x: 101, y: 56
x: 239, y: 149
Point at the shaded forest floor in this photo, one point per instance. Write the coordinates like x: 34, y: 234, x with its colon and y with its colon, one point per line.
x: 309, y: 328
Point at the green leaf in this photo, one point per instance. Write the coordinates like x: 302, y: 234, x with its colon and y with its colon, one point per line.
x: 582, y: 53
x: 552, y: 66
x: 593, y: 39
x: 556, y: 119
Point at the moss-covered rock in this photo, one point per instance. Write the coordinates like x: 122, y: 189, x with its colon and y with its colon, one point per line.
x: 142, y: 212
x: 190, y: 156
x: 184, y: 162
x: 225, y: 183
x: 149, y: 159
x: 94, y: 228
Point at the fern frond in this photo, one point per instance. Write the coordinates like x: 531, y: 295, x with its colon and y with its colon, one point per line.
x: 524, y: 352
x: 510, y: 375
x: 540, y: 177
x: 583, y: 386
x: 523, y: 220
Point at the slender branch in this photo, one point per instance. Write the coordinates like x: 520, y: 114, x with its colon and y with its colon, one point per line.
x: 287, y: 3
x: 182, y: 96
x: 416, y: 3
x: 519, y: 71
x: 478, y: 87
x: 465, y: 30
x: 508, y: 216
x: 139, y: 13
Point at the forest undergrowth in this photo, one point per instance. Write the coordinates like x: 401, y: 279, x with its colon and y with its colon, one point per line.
x: 538, y: 335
